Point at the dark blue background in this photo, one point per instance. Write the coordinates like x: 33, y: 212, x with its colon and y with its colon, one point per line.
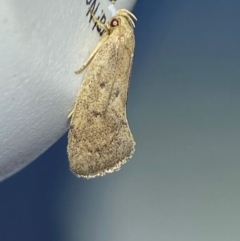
x: 183, y: 109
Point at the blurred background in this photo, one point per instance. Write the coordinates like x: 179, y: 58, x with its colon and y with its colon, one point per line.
x: 183, y: 181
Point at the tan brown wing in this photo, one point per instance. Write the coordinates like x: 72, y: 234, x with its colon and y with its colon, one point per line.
x: 99, y: 139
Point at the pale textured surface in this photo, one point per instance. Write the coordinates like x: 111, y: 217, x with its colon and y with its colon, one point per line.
x: 42, y: 43
x: 99, y: 139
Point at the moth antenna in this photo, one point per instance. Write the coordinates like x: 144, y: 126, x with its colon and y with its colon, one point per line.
x: 128, y: 15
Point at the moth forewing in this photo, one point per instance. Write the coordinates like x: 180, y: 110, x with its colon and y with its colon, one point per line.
x: 99, y: 139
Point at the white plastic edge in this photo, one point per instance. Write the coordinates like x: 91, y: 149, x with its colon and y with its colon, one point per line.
x: 42, y: 43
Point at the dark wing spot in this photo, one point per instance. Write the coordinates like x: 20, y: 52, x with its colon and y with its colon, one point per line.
x: 124, y: 123
x: 102, y: 85
x: 96, y: 113
x: 117, y: 93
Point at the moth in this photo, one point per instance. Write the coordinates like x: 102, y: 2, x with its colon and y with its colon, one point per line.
x: 99, y: 138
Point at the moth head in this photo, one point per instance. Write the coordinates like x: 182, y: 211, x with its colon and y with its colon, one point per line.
x: 123, y: 16
x: 114, y: 22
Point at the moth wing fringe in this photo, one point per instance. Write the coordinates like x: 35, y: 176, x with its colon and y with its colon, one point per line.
x: 103, y: 172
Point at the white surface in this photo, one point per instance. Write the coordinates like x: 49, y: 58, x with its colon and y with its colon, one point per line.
x: 42, y: 43
x: 112, y: 9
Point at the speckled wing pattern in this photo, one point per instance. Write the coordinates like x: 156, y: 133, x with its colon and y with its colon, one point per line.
x: 99, y: 138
